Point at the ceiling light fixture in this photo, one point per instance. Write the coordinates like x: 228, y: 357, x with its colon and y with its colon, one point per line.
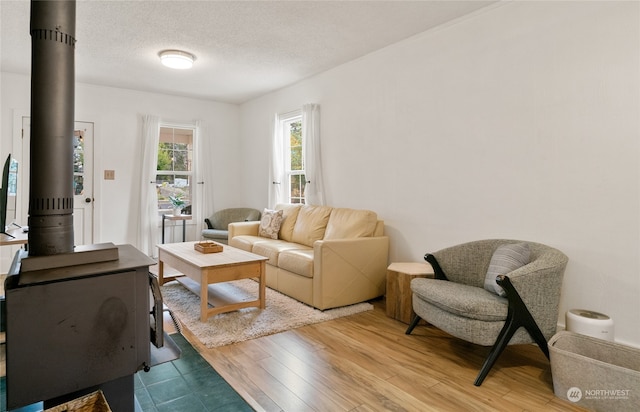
x: 177, y: 59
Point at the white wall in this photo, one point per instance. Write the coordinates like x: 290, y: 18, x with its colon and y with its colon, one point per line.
x: 117, y: 117
x: 521, y: 121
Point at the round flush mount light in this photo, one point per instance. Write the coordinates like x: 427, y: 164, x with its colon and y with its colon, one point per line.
x: 177, y: 59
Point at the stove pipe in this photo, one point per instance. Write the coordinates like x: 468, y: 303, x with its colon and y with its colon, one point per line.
x: 52, y: 119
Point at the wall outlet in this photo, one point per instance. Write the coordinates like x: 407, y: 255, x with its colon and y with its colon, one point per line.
x: 109, y: 175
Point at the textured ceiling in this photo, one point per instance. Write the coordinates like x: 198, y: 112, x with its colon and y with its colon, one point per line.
x: 244, y: 49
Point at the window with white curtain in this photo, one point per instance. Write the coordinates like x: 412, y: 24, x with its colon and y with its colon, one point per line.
x: 290, y: 126
x: 296, y: 164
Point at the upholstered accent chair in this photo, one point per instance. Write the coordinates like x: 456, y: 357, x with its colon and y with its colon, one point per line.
x: 463, y: 301
x: 218, y: 224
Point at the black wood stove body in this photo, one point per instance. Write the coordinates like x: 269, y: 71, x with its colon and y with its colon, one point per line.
x: 76, y: 328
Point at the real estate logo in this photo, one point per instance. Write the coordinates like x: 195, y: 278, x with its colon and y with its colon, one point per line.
x: 574, y: 394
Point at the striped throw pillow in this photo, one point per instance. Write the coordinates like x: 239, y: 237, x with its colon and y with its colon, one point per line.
x: 505, y: 259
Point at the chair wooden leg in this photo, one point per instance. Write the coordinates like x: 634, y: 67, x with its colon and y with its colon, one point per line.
x: 505, y: 335
x: 522, y: 316
x: 517, y: 316
x: 534, y: 330
x: 540, y: 340
x: 413, y: 324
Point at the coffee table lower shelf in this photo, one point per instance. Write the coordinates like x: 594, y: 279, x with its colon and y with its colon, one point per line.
x: 220, y: 301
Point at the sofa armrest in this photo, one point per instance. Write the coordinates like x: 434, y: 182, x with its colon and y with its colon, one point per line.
x: 348, y: 271
x: 243, y: 228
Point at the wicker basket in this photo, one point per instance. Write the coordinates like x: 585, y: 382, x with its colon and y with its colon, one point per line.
x: 208, y: 247
x: 93, y: 402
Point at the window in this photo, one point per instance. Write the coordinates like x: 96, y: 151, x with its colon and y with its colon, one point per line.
x: 175, y: 166
x: 291, y: 129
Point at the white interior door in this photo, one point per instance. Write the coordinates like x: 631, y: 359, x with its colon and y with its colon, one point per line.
x: 82, y: 178
x: 83, y: 183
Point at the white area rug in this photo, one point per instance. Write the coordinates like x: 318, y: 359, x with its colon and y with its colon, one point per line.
x: 282, y: 313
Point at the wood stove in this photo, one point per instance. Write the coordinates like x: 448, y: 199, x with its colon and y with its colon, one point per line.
x: 74, y: 329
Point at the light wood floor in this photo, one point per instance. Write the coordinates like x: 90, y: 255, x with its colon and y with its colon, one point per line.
x: 365, y: 362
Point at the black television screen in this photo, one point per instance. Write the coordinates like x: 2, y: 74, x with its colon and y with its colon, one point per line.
x: 8, y: 193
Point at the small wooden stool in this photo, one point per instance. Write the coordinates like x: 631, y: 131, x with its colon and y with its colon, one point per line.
x: 398, y: 296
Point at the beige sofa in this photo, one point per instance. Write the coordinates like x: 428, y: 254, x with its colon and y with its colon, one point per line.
x: 325, y: 257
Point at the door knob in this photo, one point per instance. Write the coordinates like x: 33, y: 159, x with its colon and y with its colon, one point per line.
x: 87, y: 200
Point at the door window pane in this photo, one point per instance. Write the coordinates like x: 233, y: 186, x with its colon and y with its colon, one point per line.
x: 78, y: 162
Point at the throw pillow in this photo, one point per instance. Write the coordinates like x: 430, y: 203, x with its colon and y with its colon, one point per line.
x: 505, y: 259
x: 270, y: 223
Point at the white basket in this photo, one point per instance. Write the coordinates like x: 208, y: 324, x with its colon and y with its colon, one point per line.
x: 595, y: 373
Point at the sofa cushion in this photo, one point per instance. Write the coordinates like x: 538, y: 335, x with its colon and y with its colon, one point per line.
x: 350, y: 223
x: 298, y: 261
x: 245, y: 242
x: 379, y: 230
x: 290, y: 214
x: 270, y: 223
x: 505, y: 259
x: 310, y: 224
x: 272, y: 248
x: 462, y: 300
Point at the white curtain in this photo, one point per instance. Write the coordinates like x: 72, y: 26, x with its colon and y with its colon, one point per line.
x: 314, y: 190
x: 276, y: 175
x: 203, y: 190
x: 148, y: 219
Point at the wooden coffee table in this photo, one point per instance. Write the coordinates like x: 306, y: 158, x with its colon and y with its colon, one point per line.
x: 207, y: 268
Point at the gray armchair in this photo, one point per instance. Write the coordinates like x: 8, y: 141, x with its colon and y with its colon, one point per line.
x: 218, y: 223
x: 457, y: 302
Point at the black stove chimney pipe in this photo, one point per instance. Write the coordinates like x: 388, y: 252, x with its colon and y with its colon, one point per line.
x: 53, y: 26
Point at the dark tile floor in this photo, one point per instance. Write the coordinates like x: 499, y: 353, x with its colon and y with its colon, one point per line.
x: 186, y: 384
